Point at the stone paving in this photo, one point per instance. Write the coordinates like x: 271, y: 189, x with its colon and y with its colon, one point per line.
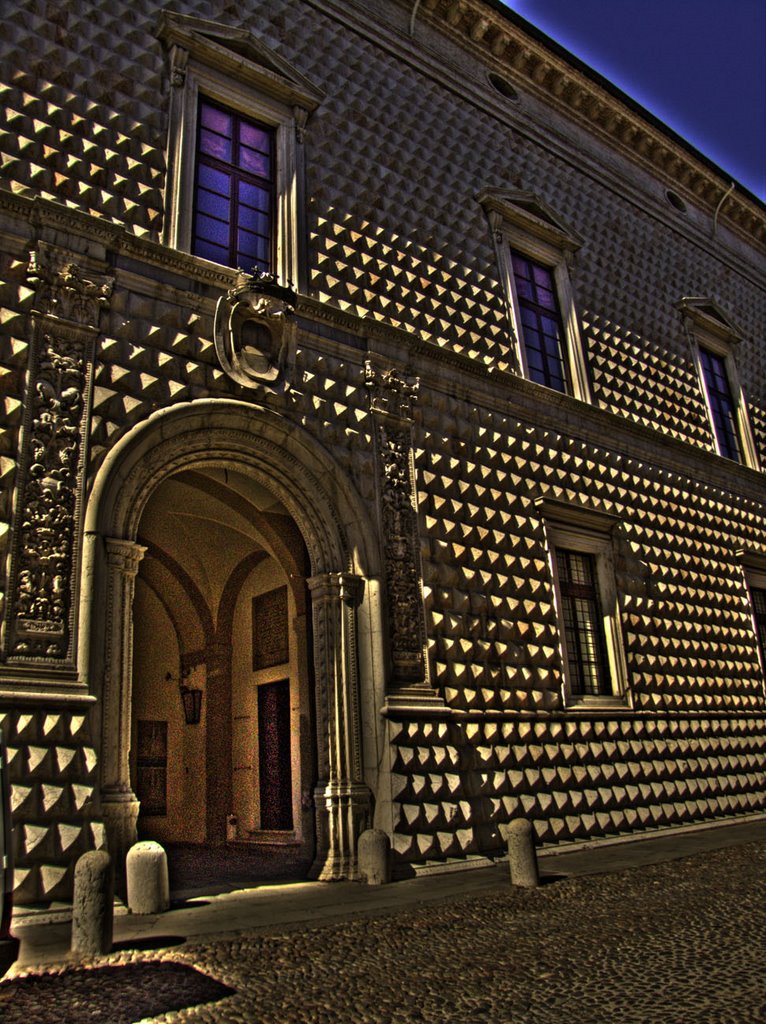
x: 672, y: 943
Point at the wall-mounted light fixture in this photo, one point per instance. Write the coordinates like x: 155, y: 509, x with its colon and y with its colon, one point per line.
x: 191, y: 697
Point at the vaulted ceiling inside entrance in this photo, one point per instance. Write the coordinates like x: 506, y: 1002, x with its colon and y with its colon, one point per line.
x: 203, y: 523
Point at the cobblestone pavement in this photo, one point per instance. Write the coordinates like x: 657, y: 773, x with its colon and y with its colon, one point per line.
x: 675, y: 943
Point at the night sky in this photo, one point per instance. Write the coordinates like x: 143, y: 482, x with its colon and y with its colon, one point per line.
x: 697, y: 65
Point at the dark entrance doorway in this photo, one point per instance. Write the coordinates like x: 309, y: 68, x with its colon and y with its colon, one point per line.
x: 275, y: 770
x: 221, y: 607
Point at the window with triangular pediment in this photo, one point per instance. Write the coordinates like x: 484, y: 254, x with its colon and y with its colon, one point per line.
x: 234, y: 194
x: 534, y: 248
x: 714, y: 338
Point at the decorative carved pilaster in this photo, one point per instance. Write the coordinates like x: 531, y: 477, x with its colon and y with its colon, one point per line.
x: 342, y: 801
x: 118, y: 802
x: 46, y: 542
x: 391, y: 400
x: 390, y: 392
x: 64, y: 292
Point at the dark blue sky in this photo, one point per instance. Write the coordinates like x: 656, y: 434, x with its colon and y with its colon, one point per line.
x: 697, y: 65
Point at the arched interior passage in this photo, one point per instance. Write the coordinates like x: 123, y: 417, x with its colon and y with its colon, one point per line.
x: 240, y: 484
x: 220, y: 607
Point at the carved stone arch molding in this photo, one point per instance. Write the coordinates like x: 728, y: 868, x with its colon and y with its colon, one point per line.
x: 344, y: 587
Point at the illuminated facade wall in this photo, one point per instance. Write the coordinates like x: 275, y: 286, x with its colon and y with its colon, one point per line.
x: 394, y: 417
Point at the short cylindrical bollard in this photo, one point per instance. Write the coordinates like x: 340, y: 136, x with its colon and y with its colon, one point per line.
x: 146, y: 868
x: 93, y: 904
x: 374, y: 852
x: 522, y: 857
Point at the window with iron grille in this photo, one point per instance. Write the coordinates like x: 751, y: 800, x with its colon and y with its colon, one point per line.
x: 584, y: 639
x: 234, y: 190
x: 541, y: 326
x: 722, y: 408
x: 758, y: 596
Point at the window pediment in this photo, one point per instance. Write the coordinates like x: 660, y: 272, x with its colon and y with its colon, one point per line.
x: 710, y: 318
x: 753, y: 559
x: 569, y: 514
x: 238, y: 54
x: 528, y: 211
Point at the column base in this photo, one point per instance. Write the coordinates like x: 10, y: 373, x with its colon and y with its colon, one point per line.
x: 119, y: 809
x: 415, y: 698
x: 342, y: 814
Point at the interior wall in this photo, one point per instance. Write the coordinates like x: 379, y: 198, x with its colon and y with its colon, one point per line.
x: 156, y: 652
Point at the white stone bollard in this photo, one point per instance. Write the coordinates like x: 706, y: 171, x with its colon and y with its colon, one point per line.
x: 374, y: 853
x: 93, y: 904
x: 146, y: 867
x: 522, y: 856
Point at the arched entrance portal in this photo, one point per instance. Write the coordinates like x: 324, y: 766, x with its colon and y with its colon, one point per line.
x: 220, y: 634
x: 293, y: 521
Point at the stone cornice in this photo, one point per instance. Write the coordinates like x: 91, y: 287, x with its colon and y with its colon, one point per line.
x: 573, y: 514
x: 44, y: 214
x: 510, y: 395
x: 502, y: 44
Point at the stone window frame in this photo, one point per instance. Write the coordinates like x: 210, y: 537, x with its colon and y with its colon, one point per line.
x: 754, y: 572
x: 577, y: 528
x: 232, y: 68
x: 709, y: 327
x: 522, y: 222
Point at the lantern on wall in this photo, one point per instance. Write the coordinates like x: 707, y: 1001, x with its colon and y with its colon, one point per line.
x: 192, y: 702
x: 191, y: 698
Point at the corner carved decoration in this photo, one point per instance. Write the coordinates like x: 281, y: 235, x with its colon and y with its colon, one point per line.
x: 252, y: 329
x: 45, y: 547
x: 392, y: 397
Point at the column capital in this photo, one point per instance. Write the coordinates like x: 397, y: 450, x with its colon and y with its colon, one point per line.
x: 342, y: 585
x: 124, y: 554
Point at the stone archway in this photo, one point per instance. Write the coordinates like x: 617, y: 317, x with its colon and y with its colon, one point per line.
x: 206, y: 437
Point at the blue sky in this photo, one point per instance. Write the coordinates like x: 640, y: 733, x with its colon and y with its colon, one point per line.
x: 697, y: 65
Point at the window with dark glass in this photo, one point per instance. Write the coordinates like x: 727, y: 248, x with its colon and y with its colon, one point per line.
x: 758, y: 596
x: 722, y: 408
x: 234, y: 190
x: 541, y: 327
x: 584, y: 640
x: 152, y: 767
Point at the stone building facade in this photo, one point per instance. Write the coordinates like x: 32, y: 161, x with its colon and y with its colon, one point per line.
x: 448, y: 509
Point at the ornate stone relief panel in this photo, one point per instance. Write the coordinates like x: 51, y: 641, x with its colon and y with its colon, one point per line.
x: 45, y: 545
x: 392, y: 396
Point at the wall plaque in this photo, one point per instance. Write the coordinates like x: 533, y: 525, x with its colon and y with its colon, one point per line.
x: 270, y: 633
